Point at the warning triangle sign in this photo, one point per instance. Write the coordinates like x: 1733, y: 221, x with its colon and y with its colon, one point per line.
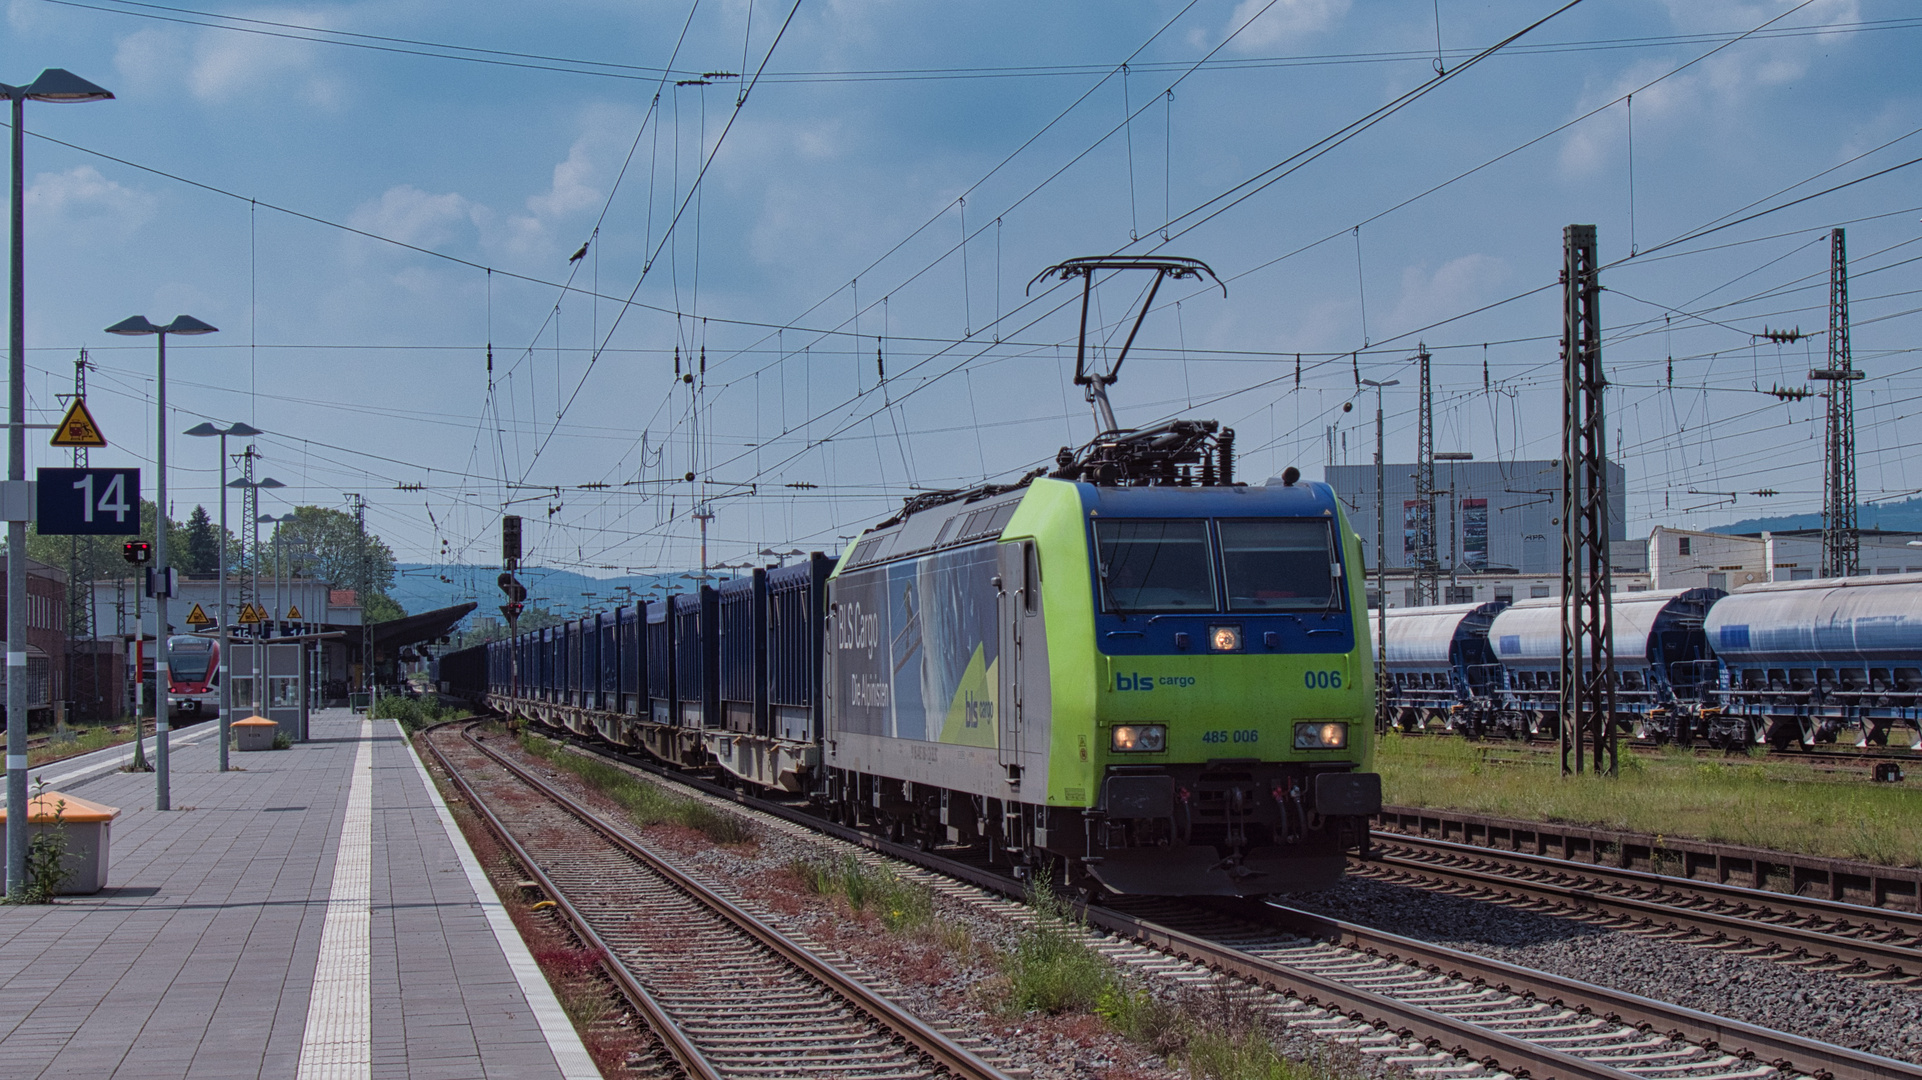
x: 249, y: 614
x: 197, y: 617
x: 293, y: 613
x: 77, y: 428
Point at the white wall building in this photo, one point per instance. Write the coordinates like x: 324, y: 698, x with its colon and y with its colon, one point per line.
x: 1684, y: 558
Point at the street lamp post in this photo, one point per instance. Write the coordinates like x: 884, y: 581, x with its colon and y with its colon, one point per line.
x: 253, y: 564
x: 1454, y: 504
x: 137, y: 326
x: 54, y: 84
x: 1381, y: 556
x: 279, y: 609
x: 226, y: 634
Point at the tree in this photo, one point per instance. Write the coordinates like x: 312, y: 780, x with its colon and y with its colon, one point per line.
x: 201, y: 553
x: 379, y: 607
x: 328, y: 544
x: 100, y: 557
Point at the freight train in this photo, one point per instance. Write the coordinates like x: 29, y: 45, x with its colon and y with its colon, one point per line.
x: 1782, y: 664
x: 1136, y: 669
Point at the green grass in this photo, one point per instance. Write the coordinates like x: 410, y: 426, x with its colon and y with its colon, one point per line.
x: 1217, y: 1033
x: 1049, y: 968
x: 645, y: 803
x: 86, y: 739
x: 415, y: 713
x: 1770, y: 802
x: 901, y: 904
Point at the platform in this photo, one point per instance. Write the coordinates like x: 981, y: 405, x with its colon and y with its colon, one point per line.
x: 315, y: 914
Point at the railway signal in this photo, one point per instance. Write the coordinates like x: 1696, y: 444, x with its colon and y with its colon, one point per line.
x: 511, y: 539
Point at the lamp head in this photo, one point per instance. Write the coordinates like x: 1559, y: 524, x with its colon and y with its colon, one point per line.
x: 187, y: 325
x: 59, y: 84
x: 133, y: 327
x: 205, y: 427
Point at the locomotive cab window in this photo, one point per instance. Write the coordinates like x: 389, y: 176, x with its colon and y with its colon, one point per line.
x: 1279, y: 565
x: 1155, y: 565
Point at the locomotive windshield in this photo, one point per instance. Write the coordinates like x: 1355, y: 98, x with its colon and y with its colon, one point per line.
x: 1155, y: 565
x: 188, y: 659
x: 1277, y: 565
x: 1171, y: 566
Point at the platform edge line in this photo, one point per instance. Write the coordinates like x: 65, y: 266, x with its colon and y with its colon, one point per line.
x: 570, y: 1054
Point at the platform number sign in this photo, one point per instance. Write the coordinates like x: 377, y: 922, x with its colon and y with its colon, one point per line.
x: 89, y: 502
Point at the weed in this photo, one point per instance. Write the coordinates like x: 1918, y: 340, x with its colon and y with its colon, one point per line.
x: 46, y: 857
x: 413, y: 713
x: 1154, y: 1022
x: 283, y: 741
x: 573, y: 974
x: 901, y: 904
x: 1050, y: 968
x: 645, y: 803
x: 80, y: 740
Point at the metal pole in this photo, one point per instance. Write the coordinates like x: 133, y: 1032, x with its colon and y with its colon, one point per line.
x: 17, y: 810
x: 259, y: 680
x: 1381, y: 567
x: 226, y: 635
x: 139, y: 682
x: 161, y: 680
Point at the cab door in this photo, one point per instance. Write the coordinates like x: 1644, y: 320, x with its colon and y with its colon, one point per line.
x: 1013, y: 596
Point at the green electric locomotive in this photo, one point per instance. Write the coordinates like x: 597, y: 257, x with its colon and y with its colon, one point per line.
x: 1160, y: 688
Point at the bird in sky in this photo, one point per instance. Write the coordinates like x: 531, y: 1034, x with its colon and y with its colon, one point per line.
x: 578, y: 255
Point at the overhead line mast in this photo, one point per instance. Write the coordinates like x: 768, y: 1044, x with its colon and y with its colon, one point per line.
x: 1427, y: 561
x: 1841, y: 543
x: 1587, y: 725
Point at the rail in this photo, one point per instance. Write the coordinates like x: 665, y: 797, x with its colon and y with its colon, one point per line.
x: 950, y: 1056
x: 1869, y: 884
x: 1735, y: 1039
x: 1878, y: 938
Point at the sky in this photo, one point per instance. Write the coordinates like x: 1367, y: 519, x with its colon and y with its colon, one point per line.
x: 834, y: 233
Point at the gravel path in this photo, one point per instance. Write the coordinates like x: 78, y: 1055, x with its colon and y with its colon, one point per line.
x: 1878, y: 1017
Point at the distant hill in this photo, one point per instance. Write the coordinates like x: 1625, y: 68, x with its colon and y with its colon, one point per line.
x: 426, y: 586
x: 1904, y: 516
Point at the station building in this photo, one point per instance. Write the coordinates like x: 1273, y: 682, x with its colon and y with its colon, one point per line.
x: 47, y: 654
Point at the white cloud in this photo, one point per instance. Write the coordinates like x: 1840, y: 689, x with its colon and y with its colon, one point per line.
x: 81, y: 198
x: 572, y: 190
x: 223, y: 67
x: 1453, y: 287
x: 1285, y: 22
x: 1718, y: 93
x: 412, y: 216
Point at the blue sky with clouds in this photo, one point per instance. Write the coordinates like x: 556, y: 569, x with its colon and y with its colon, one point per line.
x: 895, y: 178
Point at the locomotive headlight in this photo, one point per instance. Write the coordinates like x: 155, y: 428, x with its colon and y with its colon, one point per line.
x: 1224, y: 638
x: 1140, y: 738
x: 1321, y: 735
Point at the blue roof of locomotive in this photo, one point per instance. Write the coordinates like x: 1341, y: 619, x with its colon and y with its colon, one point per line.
x: 1303, y: 499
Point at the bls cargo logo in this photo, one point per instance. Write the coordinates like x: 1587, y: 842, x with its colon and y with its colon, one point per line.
x: 1137, y: 681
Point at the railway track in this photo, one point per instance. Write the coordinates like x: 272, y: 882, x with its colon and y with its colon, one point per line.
x: 1843, y: 757
x: 727, y: 995
x: 1861, y: 940
x: 1414, y: 1003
